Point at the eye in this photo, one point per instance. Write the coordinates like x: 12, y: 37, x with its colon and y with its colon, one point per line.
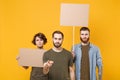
x: 60, y: 39
x: 41, y: 39
x: 82, y: 34
x: 86, y: 34
x: 37, y: 39
x: 55, y: 38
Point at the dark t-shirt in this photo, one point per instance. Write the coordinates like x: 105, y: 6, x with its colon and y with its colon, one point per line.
x: 60, y: 68
x: 37, y: 74
x: 85, y: 69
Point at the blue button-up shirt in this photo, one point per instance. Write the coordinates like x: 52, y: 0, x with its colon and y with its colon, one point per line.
x: 94, y: 59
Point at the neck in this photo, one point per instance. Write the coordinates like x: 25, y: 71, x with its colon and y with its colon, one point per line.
x: 85, y: 43
x: 40, y: 47
x: 57, y: 49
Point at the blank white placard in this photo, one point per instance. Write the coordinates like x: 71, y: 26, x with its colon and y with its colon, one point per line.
x: 31, y: 57
x: 74, y: 14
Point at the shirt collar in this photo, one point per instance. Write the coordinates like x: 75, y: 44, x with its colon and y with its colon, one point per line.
x: 89, y: 44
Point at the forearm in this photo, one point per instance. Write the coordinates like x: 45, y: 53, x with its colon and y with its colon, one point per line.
x: 100, y: 73
x: 45, y: 70
x: 72, y: 74
x: 47, y: 66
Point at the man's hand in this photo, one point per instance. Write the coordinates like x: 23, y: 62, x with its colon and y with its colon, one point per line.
x: 73, y: 54
x: 47, y: 66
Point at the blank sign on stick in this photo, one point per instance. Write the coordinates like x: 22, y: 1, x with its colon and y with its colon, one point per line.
x: 74, y: 14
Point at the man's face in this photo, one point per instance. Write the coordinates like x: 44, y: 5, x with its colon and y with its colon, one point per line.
x: 57, y: 40
x: 84, y: 36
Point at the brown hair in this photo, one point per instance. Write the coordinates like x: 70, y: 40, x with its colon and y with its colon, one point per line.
x: 41, y: 36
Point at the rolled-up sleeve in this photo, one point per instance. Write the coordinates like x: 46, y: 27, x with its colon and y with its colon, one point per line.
x: 99, y: 59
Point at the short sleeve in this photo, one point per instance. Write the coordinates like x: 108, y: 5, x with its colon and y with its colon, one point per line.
x: 70, y: 60
x: 45, y: 59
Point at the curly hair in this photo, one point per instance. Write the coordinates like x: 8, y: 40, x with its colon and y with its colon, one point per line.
x: 41, y: 36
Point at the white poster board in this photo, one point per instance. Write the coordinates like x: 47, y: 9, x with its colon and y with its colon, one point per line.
x: 74, y: 14
x: 31, y: 57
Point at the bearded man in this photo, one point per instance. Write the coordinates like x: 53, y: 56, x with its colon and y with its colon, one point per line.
x: 58, y: 62
x: 87, y: 57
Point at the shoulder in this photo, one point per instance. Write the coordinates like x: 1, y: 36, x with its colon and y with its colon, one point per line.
x: 65, y: 50
x: 48, y: 51
x: 77, y: 45
x: 94, y: 46
x: 68, y: 53
x: 43, y: 50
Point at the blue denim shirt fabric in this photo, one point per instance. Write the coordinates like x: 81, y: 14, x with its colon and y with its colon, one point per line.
x: 94, y: 59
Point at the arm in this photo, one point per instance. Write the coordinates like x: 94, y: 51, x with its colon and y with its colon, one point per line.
x: 99, y: 65
x: 100, y: 73
x: 73, y: 53
x: 72, y: 74
x: 71, y: 66
x: 47, y: 66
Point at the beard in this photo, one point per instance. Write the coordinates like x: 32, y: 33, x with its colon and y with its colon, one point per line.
x: 57, y: 45
x: 84, y: 40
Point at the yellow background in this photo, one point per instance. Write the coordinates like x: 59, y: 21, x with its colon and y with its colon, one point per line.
x: 21, y: 19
